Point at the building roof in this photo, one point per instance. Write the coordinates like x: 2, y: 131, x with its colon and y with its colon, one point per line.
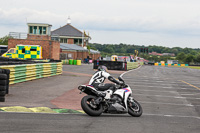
x: 94, y: 51
x: 42, y: 24
x: 65, y: 46
x: 67, y: 30
x: 155, y: 53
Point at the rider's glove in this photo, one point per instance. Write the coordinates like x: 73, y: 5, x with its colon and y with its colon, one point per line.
x: 115, y: 80
x: 121, y: 83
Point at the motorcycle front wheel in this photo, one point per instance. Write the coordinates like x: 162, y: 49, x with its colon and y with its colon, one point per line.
x: 88, y: 106
x: 134, y: 109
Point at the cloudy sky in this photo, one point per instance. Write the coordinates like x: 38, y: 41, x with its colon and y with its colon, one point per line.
x: 168, y: 23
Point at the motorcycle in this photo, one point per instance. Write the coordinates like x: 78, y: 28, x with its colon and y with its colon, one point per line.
x: 118, y: 102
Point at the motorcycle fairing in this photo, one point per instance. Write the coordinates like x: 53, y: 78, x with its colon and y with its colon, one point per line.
x: 126, y: 90
x: 124, y: 94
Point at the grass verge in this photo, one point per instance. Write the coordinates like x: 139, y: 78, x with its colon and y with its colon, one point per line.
x: 192, y: 67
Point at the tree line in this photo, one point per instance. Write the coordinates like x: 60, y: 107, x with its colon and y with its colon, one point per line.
x: 184, y: 55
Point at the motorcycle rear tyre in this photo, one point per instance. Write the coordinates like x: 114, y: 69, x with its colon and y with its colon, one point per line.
x: 135, y: 113
x: 87, y: 109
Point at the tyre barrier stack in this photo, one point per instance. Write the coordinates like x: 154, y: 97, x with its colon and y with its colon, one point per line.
x: 4, y: 83
x: 26, y: 72
x: 10, y: 61
x: 117, y: 65
x: 111, y: 65
x: 17, y: 70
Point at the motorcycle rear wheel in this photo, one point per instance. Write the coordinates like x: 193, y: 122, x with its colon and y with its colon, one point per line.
x: 89, y: 108
x: 134, y: 109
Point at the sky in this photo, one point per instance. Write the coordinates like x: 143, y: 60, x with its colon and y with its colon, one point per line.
x: 169, y: 23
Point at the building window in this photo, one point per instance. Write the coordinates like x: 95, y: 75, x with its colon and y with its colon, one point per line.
x: 40, y: 30
x: 55, y: 38
x: 69, y: 55
x: 44, y: 30
x: 78, y: 41
x: 63, y: 40
x: 35, y: 30
x: 75, y: 41
x: 31, y: 29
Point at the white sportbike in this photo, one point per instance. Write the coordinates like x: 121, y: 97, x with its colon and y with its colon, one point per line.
x: 120, y: 102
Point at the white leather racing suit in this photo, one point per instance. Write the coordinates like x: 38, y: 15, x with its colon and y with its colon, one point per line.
x: 98, y: 79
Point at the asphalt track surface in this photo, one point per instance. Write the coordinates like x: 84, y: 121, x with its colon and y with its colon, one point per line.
x: 170, y: 98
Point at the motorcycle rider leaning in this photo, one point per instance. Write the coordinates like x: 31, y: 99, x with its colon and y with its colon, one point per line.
x: 99, y: 77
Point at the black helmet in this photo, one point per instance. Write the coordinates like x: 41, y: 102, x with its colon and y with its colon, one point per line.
x: 102, y: 68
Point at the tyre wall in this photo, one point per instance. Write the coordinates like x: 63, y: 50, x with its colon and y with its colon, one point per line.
x: 111, y: 65
x: 117, y: 65
x: 26, y: 72
x: 4, y: 83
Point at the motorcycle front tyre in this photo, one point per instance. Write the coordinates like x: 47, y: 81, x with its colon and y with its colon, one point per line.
x: 135, y: 111
x: 88, y: 109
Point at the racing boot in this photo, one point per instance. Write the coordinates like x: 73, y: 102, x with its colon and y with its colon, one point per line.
x: 108, y: 94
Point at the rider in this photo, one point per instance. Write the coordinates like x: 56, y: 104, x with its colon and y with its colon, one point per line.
x: 99, y: 77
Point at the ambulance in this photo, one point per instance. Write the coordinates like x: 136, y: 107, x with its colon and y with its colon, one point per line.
x: 24, y: 52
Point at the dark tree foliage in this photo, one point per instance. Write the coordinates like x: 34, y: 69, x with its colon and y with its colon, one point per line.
x: 4, y: 40
x: 184, y: 55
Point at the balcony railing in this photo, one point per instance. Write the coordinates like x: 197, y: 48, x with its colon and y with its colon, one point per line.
x: 18, y: 35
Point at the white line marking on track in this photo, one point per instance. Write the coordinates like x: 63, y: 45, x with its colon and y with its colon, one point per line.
x: 130, y: 71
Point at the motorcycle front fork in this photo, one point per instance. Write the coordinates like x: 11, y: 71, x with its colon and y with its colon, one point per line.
x: 131, y: 100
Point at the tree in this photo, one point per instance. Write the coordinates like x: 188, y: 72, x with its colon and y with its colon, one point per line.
x: 108, y: 49
x: 175, y: 51
x: 4, y: 40
x: 181, y: 56
x: 93, y: 48
x: 186, y: 50
x: 166, y: 50
x: 189, y: 58
x: 197, y: 58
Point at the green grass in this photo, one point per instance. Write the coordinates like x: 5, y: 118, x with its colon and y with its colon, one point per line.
x: 192, y: 67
